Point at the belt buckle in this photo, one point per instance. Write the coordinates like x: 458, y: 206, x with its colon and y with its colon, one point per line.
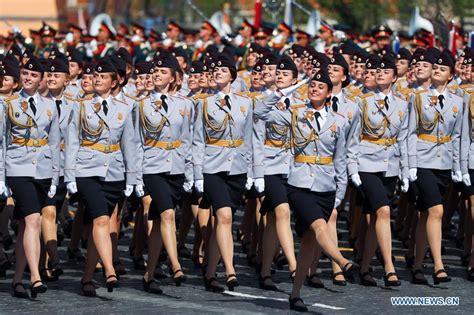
x: 318, y: 160
x: 169, y: 146
x: 107, y: 148
x: 388, y: 142
x: 36, y: 143
x: 231, y: 143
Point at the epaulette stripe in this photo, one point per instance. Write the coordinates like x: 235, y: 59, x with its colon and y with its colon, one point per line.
x: 297, y: 106
x: 11, y: 98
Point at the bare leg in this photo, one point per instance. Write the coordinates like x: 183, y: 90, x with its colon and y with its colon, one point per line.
x: 285, y: 235
x: 224, y: 237
x: 434, y: 233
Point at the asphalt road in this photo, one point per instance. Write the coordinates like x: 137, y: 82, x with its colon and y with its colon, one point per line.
x: 64, y: 295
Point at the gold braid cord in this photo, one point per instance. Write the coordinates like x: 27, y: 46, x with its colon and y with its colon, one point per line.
x: 368, y: 128
x: 29, y: 122
x: 147, y: 125
x: 215, y: 127
x: 295, y: 129
x: 427, y: 125
x: 85, y: 125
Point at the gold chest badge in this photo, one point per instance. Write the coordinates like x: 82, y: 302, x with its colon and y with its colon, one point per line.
x: 433, y: 100
x: 455, y: 110
x: 24, y: 106
x: 242, y: 109
x: 380, y: 104
x: 50, y: 114
x: 309, y: 115
x: 400, y: 114
x: 157, y: 104
x: 182, y: 112
x: 97, y: 107
x: 222, y: 103
x: 281, y: 106
x: 349, y: 115
x: 119, y: 116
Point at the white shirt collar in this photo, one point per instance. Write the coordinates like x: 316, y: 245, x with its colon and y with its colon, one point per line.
x: 221, y: 95
x: 382, y: 96
x: 108, y: 99
x: 25, y: 95
x: 435, y: 92
x: 338, y: 95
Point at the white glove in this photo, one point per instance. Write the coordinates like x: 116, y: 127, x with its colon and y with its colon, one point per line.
x: 405, y: 185
x: 456, y: 176
x: 128, y: 190
x: 52, y: 191
x: 188, y: 186
x: 337, y: 203
x: 3, y: 187
x: 355, y: 178
x: 139, y: 191
x: 466, y: 179
x: 71, y: 188
x: 199, y: 184
x: 259, y: 185
x: 412, y: 174
x: 249, y: 183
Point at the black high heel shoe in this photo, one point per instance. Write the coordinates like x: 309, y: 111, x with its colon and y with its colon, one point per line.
x: 232, y: 283
x: 38, y: 289
x: 438, y: 280
x: 391, y: 283
x: 349, y: 270
x: 45, y: 276
x: 367, y: 280
x: 212, y: 285
x: 314, y: 281
x: 151, y: 286
x: 180, y: 279
x: 266, y: 286
x: 338, y: 282
x: 297, y: 304
x: 19, y: 294
x: 7, y: 243
x: 111, y: 284
x: 418, y: 277
x: 88, y: 292
x: 57, y: 270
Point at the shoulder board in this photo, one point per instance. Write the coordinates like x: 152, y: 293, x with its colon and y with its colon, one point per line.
x: 352, y: 97
x: 120, y: 101
x: 297, y: 106
x: 465, y: 86
x: 71, y: 98
x: 366, y: 95
x: 86, y: 98
x: 68, y: 94
x: 11, y: 98
x: 182, y: 97
x: 244, y: 94
x: 253, y: 94
x: 419, y: 92
x: 200, y: 96
x: 241, y: 71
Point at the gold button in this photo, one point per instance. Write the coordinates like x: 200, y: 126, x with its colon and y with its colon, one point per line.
x: 34, y: 150
x: 439, y: 155
x: 34, y: 162
x: 314, y: 150
x: 385, y: 148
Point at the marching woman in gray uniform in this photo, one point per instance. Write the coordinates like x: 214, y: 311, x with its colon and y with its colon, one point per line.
x: 318, y: 177
x: 164, y: 159
x: 382, y: 157
x: 100, y: 164
x: 31, y: 168
x: 222, y: 160
x: 272, y: 160
x: 434, y: 160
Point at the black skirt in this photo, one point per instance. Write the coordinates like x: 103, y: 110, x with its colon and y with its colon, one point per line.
x: 30, y: 195
x: 432, y: 186
x: 309, y: 206
x: 276, y: 192
x: 165, y: 192
x: 469, y: 191
x: 378, y: 190
x: 100, y: 197
x: 223, y: 190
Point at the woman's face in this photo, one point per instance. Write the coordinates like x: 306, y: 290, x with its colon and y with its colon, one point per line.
x: 385, y: 77
x: 193, y: 81
x: 74, y: 69
x: 423, y: 70
x: 336, y: 73
x: 465, y: 73
x: 103, y: 82
x: 87, y: 83
x: 441, y: 74
x: 30, y: 80
x: 318, y: 91
x: 256, y: 80
x: 140, y: 82
x: 284, y: 79
x: 251, y: 59
x: 7, y: 84
x: 162, y: 77
x: 56, y: 80
x: 204, y: 80
x: 369, y: 79
x: 402, y: 67
x: 359, y: 69
x: 269, y: 73
x: 222, y: 75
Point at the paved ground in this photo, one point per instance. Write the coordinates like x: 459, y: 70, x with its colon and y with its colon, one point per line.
x: 64, y: 296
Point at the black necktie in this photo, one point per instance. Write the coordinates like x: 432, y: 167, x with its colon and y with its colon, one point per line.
x: 441, y: 101
x: 32, y: 105
x: 227, y: 101
x: 163, y: 103
x: 334, y: 103
x: 287, y: 103
x: 386, y: 102
x: 316, y: 116
x: 105, y: 108
x: 58, y: 106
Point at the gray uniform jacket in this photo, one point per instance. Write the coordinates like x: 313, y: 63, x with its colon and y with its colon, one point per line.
x: 37, y: 160
x: 382, y: 135
x: 270, y: 157
x: 212, y: 113
x: 434, y: 133
x: 89, y: 123
x: 165, y: 136
x: 467, y: 146
x: 330, y: 143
